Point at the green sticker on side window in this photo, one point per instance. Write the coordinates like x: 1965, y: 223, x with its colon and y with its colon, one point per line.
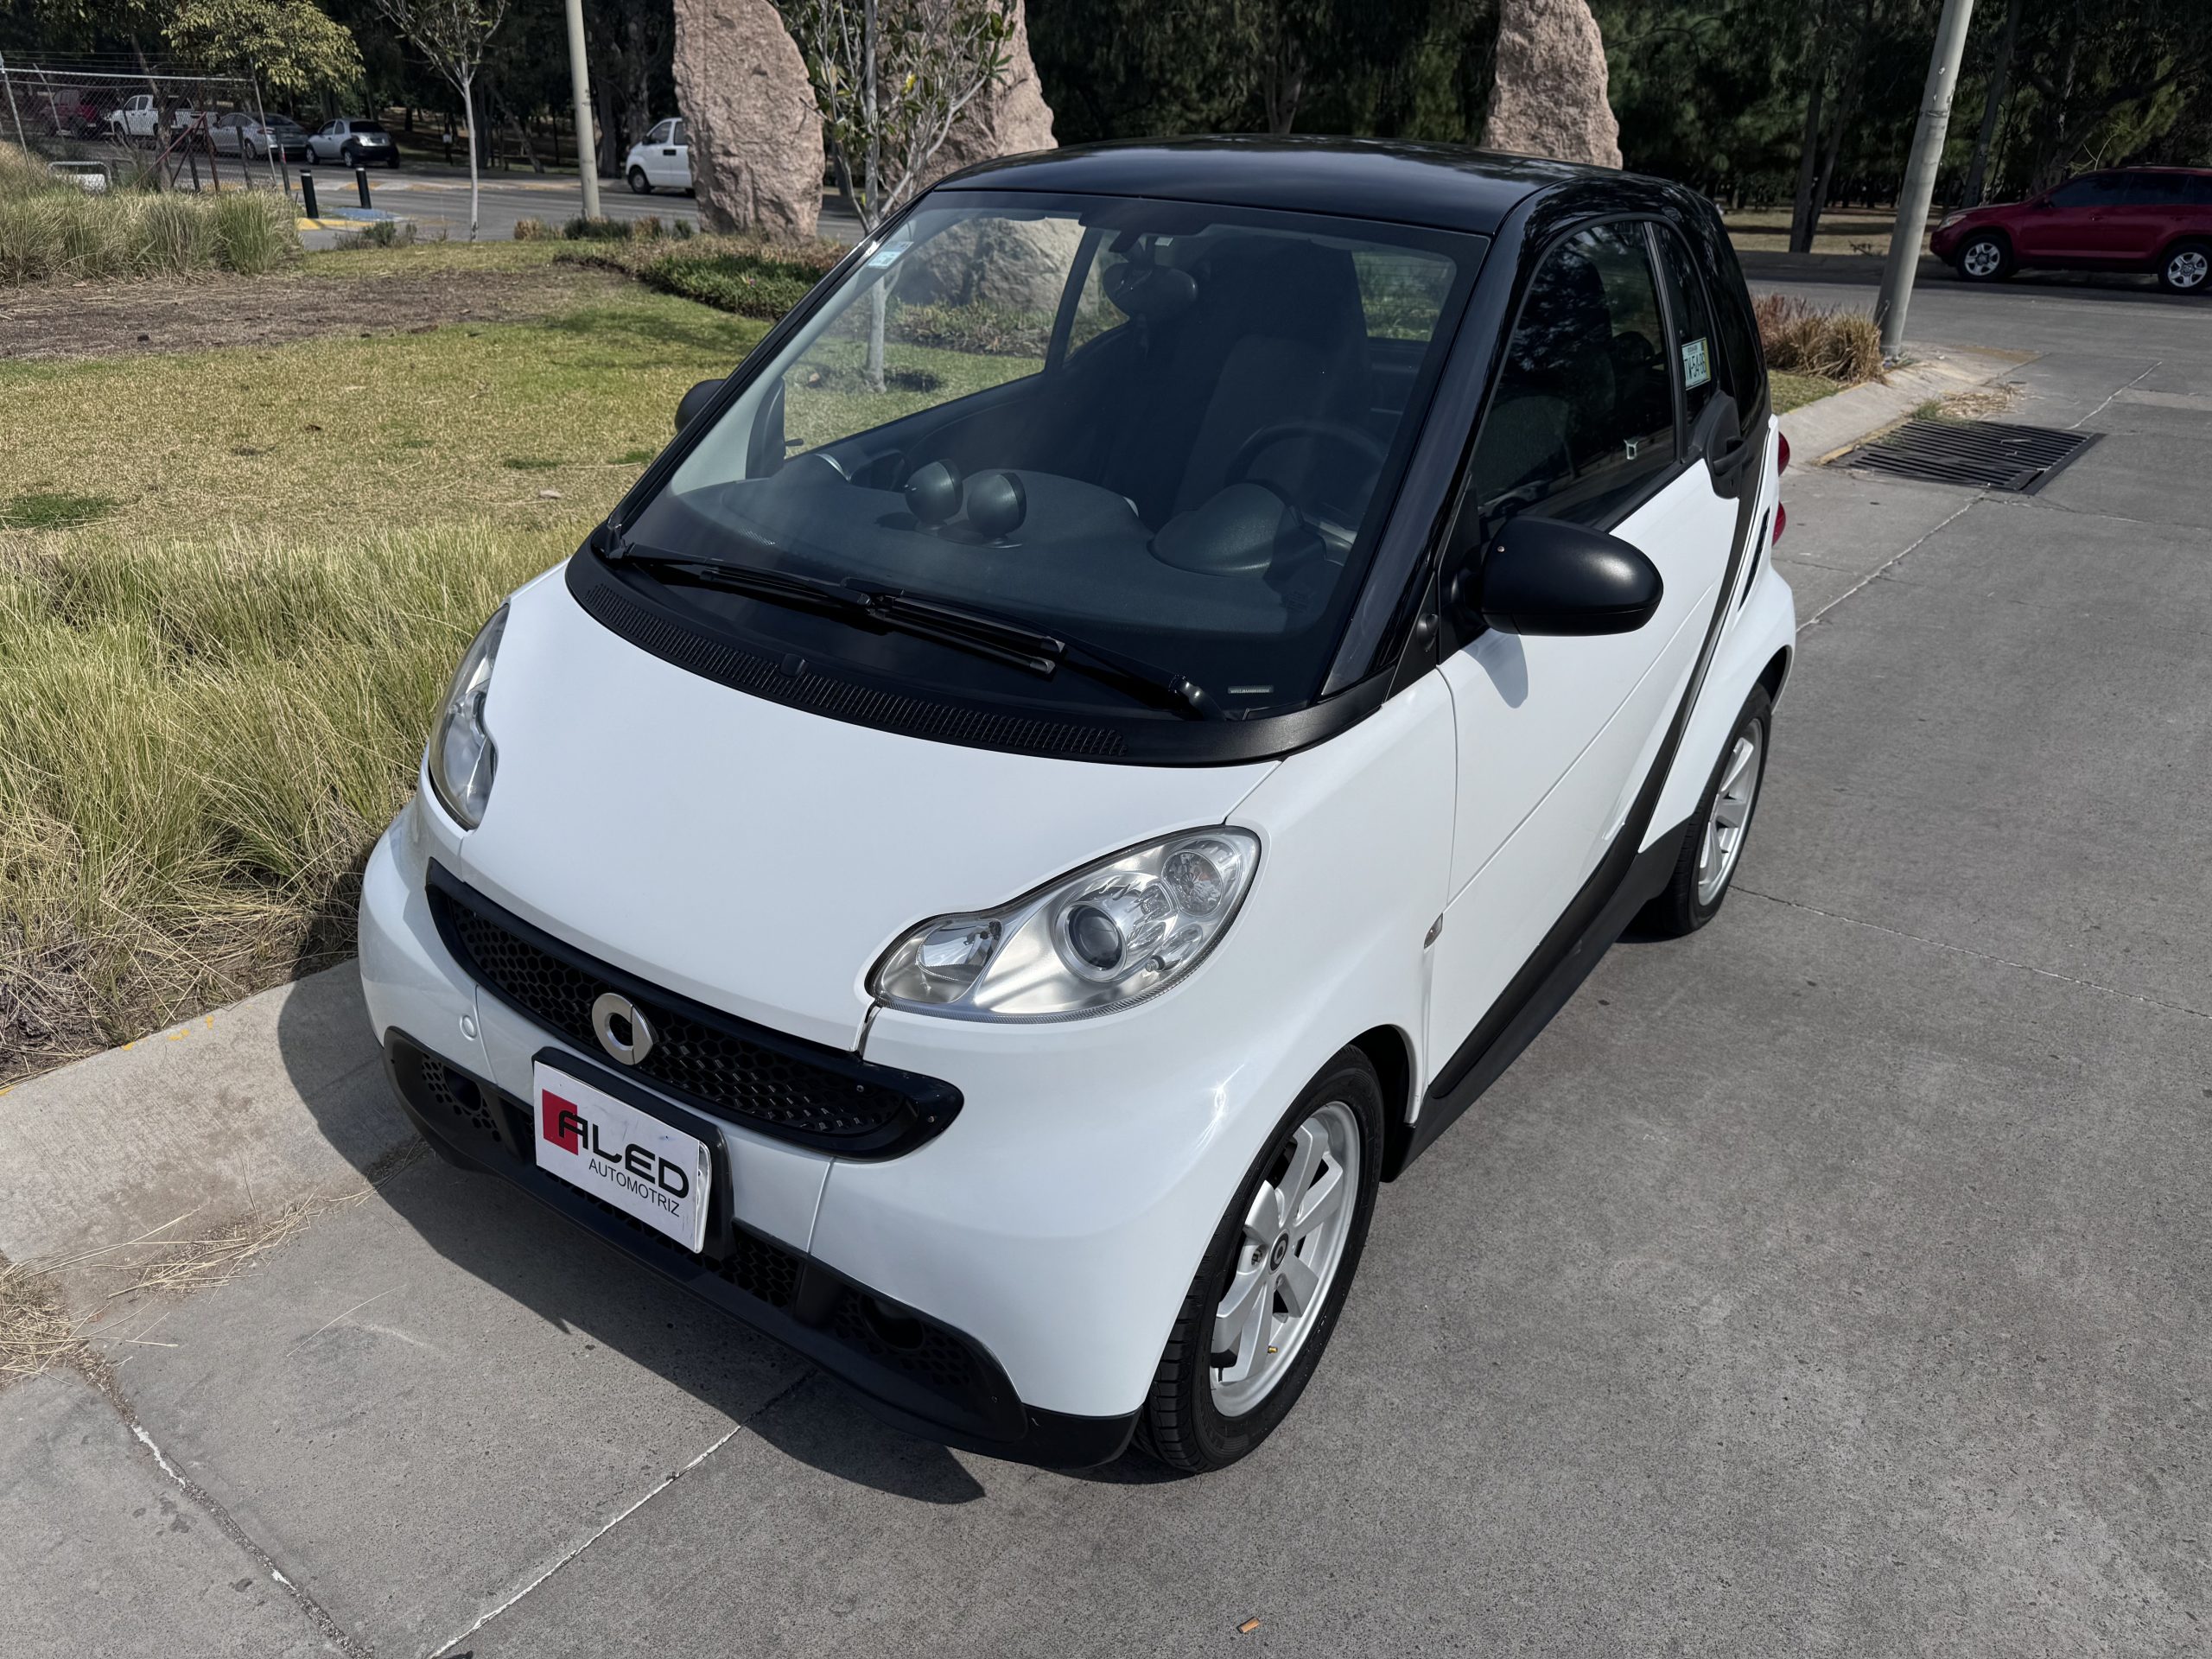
x: 1697, y: 367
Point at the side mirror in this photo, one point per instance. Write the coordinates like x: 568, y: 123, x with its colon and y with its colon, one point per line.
x: 1539, y: 575
x: 694, y: 400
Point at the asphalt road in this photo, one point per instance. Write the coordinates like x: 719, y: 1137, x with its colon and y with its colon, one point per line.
x: 1833, y: 1282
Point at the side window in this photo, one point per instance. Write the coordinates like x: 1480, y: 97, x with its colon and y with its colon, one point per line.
x: 2197, y: 191
x: 2097, y: 190
x: 1583, y: 414
x: 2152, y: 190
x: 1698, y: 347
x: 675, y: 133
x: 659, y: 134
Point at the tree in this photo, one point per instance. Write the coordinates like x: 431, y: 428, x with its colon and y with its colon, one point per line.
x: 453, y: 35
x: 290, y: 46
x: 890, y: 78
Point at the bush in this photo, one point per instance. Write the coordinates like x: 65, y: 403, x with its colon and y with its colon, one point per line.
x: 749, y: 277
x: 1803, y: 339
x: 582, y: 229
x: 533, y: 230
x: 54, y: 231
x: 987, y: 330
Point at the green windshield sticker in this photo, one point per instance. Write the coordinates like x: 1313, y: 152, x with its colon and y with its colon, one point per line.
x: 1697, y: 368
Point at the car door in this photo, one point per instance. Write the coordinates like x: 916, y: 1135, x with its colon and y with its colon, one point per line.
x: 679, y: 158
x: 1587, y: 423
x: 2066, y: 225
x: 655, y: 160
x: 2136, y: 227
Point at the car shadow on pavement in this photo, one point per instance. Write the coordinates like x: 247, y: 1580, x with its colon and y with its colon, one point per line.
x: 502, y: 1239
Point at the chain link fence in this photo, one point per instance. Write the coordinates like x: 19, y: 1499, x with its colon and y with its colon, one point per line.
x: 132, y: 127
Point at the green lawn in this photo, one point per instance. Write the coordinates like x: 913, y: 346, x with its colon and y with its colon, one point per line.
x: 1795, y: 391
x: 229, y: 601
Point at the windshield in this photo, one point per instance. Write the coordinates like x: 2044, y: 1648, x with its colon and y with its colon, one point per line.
x: 1166, y: 431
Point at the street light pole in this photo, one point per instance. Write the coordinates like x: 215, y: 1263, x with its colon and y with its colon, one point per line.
x: 580, y: 86
x: 1920, y: 172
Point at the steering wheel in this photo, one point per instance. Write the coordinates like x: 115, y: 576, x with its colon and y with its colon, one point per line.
x: 1304, y: 426
x: 1349, y: 437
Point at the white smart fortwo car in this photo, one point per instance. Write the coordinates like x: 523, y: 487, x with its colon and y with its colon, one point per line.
x: 1093, y: 746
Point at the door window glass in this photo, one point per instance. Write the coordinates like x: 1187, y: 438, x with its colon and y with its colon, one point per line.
x: 2097, y: 190
x: 2153, y: 189
x: 659, y: 134
x: 1697, y: 346
x: 675, y: 133
x: 1583, y: 415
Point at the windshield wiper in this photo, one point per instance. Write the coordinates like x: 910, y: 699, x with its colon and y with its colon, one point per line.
x: 981, y: 633
x: 779, y: 587
x: 1041, y: 653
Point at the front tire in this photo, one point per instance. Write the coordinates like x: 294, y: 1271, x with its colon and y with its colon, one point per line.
x: 640, y: 184
x: 2187, y: 268
x: 1260, y: 1312
x: 1984, y: 259
x: 1718, y: 827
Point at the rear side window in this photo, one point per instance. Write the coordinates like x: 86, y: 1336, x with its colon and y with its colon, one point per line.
x: 675, y: 133
x: 1583, y: 414
x: 2197, y: 191
x: 2154, y: 190
x: 1700, y: 350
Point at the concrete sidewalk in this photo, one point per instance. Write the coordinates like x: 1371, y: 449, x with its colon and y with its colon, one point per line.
x: 1837, y: 1280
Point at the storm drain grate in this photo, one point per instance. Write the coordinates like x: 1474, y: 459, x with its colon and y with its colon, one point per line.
x: 1982, y: 454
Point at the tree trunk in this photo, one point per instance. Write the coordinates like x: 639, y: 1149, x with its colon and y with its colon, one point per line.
x: 468, y: 105
x: 1808, y: 146
x: 875, y: 295
x: 1847, y: 107
x: 1992, y: 102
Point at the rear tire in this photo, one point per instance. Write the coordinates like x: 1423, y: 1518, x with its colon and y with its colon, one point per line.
x: 640, y: 184
x: 1722, y: 822
x: 1339, y: 1117
x: 1984, y: 258
x: 2187, y: 268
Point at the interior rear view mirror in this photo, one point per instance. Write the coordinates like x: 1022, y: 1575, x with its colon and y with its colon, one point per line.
x: 1539, y: 575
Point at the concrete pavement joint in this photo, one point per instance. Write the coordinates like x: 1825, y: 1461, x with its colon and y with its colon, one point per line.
x: 2156, y: 364
x: 1814, y: 620
x: 1979, y: 956
x: 736, y: 1429
x: 326, y: 1626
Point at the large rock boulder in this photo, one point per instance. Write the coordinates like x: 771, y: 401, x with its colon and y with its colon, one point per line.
x: 1549, y: 96
x: 755, y: 135
x: 1009, y: 119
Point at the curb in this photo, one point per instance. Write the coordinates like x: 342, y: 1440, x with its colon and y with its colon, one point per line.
x: 1821, y: 431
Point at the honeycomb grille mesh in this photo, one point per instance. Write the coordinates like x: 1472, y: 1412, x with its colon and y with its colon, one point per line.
x: 459, y: 1098
x: 719, y: 1068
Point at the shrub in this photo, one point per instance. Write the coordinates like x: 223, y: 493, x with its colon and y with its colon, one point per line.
x: 1805, y: 339
x: 533, y: 230
x: 988, y: 330
x: 583, y: 229
x: 51, y: 230
x: 750, y: 276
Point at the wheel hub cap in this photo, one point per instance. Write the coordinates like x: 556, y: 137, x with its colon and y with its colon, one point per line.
x: 1293, y: 1240
x: 2187, y: 269
x: 1722, y: 838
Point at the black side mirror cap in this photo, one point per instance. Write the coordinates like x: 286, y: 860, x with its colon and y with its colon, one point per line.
x: 1540, y: 575
x: 697, y: 398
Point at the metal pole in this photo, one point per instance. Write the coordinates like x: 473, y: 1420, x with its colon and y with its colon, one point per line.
x: 580, y: 88
x: 276, y: 172
x: 4, y: 76
x: 1920, y: 173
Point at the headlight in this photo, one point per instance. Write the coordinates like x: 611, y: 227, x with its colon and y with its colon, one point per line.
x: 1105, y: 937
x: 462, y: 758
x: 1949, y: 220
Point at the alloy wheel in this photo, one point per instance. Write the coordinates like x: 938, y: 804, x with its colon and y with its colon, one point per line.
x: 2188, y: 269
x: 1982, y: 259
x: 1293, y: 1236
x: 1722, y: 838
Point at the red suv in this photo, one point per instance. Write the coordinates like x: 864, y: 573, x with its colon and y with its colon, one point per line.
x: 2154, y: 219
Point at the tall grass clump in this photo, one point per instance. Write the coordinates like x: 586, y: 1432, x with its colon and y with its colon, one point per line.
x: 51, y: 230
x: 749, y: 277
x: 199, y: 743
x: 1833, y: 343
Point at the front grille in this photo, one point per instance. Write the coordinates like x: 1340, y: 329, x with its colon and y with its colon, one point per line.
x: 779, y: 1084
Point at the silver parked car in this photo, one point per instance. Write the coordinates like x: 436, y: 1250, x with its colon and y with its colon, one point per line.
x: 357, y: 143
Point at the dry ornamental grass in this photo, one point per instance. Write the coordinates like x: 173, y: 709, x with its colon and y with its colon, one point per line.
x: 1835, y: 344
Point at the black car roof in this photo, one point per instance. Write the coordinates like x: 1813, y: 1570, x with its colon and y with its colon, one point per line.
x: 1445, y: 185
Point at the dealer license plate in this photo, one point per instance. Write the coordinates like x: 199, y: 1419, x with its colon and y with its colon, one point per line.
x: 611, y: 1149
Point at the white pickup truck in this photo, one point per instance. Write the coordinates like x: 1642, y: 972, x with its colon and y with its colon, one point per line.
x: 140, y: 115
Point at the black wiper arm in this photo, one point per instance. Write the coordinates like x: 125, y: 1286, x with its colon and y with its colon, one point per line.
x: 778, y: 586
x: 1028, y: 646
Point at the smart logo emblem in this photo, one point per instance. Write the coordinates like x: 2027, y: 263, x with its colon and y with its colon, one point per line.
x: 625, y: 1156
